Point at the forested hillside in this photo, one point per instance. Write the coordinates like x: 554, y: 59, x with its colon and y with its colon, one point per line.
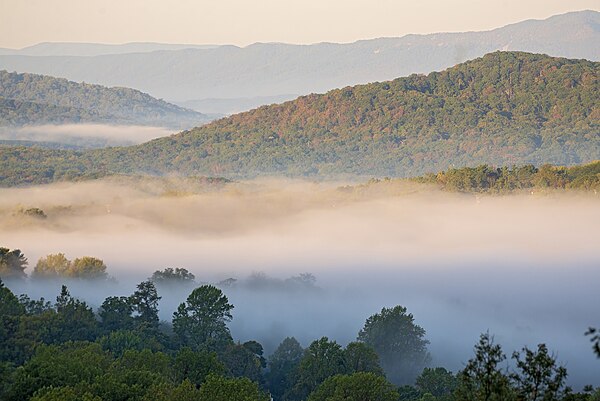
x: 29, y: 99
x: 505, y: 108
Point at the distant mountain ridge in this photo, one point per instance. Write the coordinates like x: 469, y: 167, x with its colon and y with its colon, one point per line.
x: 274, y: 69
x: 30, y: 99
x: 96, y: 49
x: 502, y: 109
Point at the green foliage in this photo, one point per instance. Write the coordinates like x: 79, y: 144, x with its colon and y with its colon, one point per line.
x: 360, y: 357
x: 200, y: 322
x: 186, y: 391
x: 119, y: 341
x: 30, y: 99
x: 485, y: 178
x: 196, y: 366
x: 399, y: 342
x: 57, y: 366
x: 144, y: 302
x: 322, y: 359
x: 505, y: 108
x: 537, y: 376
x: 116, y: 313
x: 218, y: 388
x: 66, y: 393
x: 438, y: 382
x: 88, y: 267
x: 245, y: 360
x: 170, y: 277
x: 483, y: 379
x: 74, y: 320
x: 360, y: 386
x: 282, y: 367
x: 51, y: 266
x: 11, y: 311
x: 12, y: 264
x: 55, y: 266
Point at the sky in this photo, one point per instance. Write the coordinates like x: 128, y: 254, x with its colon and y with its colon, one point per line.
x: 242, y: 22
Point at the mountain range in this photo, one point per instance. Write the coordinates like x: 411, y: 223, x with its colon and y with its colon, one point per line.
x: 95, y: 49
x: 502, y: 109
x: 270, y: 72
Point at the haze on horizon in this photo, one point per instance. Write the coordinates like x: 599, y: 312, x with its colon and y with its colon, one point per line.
x: 241, y: 23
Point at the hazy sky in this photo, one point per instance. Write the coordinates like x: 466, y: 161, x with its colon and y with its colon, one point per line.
x: 241, y: 22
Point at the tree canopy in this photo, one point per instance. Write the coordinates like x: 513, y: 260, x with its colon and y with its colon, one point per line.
x: 399, y: 342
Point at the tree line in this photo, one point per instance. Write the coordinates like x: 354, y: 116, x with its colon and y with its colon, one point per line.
x: 485, y: 178
x: 66, y: 350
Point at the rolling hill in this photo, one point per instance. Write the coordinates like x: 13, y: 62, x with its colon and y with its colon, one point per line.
x: 229, y: 75
x: 30, y: 99
x: 502, y: 109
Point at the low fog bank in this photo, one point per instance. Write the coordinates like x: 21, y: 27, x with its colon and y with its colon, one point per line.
x: 524, y: 267
x: 86, y: 135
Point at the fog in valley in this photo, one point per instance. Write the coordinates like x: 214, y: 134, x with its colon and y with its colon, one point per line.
x: 524, y: 267
x: 85, y: 135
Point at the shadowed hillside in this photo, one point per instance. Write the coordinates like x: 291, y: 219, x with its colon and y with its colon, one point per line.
x: 37, y: 99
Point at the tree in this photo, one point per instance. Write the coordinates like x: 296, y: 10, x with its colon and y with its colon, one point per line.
x: 360, y: 357
x: 322, y: 359
x: 35, y: 306
x: 218, y: 388
x: 196, y: 366
x: 88, y: 267
x: 57, y: 366
x: 282, y: 367
x: 537, y: 376
x: 12, y: 264
x: 52, y: 266
x: 201, y: 321
x: 399, y: 342
x: 67, y: 393
x: 594, y: 334
x: 119, y: 341
x: 186, y: 391
x: 360, y: 386
x: 172, y: 277
x: 10, y: 312
x: 116, y: 314
x: 482, y: 379
x: 437, y: 381
x: 144, y: 302
x: 245, y: 360
x: 73, y: 321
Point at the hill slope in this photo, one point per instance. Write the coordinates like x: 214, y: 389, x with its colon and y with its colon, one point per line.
x: 505, y: 108
x: 37, y: 99
x: 272, y: 69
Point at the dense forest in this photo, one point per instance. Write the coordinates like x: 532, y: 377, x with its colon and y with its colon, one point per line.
x: 66, y: 350
x: 30, y: 99
x: 504, y: 180
x: 485, y: 178
x: 505, y: 108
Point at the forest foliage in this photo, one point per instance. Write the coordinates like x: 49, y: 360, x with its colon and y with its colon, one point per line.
x: 66, y: 350
x: 505, y: 108
x: 484, y: 178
